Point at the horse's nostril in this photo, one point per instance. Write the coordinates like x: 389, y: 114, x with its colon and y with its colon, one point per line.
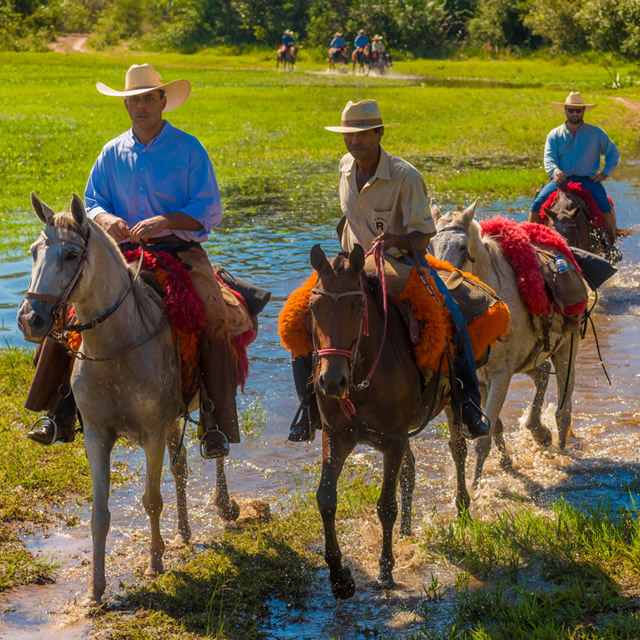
x: 37, y: 322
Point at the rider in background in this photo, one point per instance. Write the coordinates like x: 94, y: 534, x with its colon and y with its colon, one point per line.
x: 287, y: 40
x: 362, y: 40
x: 378, y: 50
x: 337, y: 43
x: 573, y: 153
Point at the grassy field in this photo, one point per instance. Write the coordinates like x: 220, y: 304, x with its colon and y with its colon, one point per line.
x: 475, y: 128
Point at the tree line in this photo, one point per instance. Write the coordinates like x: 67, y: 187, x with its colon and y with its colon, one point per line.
x: 416, y: 27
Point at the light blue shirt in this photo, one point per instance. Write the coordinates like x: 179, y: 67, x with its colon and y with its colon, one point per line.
x: 361, y: 41
x: 172, y: 173
x: 579, y: 155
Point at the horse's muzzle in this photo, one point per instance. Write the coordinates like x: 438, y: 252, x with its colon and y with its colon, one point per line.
x: 334, y: 381
x: 35, y: 326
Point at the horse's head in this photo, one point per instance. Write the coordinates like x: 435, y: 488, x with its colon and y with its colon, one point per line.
x: 58, y: 255
x: 453, y: 241
x: 338, y: 310
x: 569, y: 216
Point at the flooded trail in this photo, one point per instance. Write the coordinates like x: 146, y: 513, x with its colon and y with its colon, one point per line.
x: 601, y: 462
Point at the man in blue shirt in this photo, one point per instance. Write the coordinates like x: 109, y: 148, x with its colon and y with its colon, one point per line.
x: 573, y: 153
x: 362, y: 39
x: 287, y: 39
x: 338, y: 41
x: 155, y: 184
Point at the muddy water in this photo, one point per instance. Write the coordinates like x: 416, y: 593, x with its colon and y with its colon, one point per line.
x: 601, y: 461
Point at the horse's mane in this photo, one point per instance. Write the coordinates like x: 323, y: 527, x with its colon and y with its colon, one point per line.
x: 501, y: 265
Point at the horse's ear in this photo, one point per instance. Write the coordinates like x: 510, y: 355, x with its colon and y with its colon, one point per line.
x: 317, y: 258
x: 45, y: 213
x: 436, y: 214
x: 468, y: 213
x: 356, y: 258
x: 77, y: 209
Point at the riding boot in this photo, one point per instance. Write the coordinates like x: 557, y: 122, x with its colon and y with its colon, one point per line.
x: 218, y: 413
x: 466, y: 399
x: 307, y: 419
x: 58, y: 425
x: 50, y: 391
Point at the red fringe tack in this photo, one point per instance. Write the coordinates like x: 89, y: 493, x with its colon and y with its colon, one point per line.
x: 595, y: 215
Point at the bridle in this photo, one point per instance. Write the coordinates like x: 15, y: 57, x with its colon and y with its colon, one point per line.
x: 61, y: 301
x: 351, y: 354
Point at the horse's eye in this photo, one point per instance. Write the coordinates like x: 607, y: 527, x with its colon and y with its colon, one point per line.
x: 70, y: 254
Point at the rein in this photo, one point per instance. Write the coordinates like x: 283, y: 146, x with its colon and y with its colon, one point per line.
x: 345, y: 403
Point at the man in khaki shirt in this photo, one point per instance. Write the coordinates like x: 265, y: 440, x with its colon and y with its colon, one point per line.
x: 384, y: 198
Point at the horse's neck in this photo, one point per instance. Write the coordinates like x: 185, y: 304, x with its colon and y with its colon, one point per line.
x: 105, y: 281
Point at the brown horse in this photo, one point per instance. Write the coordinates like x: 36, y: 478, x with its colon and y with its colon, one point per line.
x: 287, y: 57
x: 351, y: 335
x: 338, y: 56
x: 569, y: 216
x: 361, y: 56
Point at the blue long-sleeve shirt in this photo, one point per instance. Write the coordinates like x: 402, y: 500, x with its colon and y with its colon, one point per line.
x: 287, y: 40
x: 172, y: 173
x: 338, y: 43
x: 361, y: 41
x: 580, y: 155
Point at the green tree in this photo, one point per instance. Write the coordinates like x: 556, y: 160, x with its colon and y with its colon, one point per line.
x: 557, y: 23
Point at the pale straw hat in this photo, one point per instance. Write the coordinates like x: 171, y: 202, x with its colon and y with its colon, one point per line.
x: 360, y: 116
x: 337, y: 34
x: 574, y: 99
x: 142, y: 78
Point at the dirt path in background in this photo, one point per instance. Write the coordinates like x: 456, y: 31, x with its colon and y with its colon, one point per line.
x: 73, y: 43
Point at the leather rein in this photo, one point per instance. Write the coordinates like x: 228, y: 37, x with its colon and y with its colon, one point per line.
x: 351, y: 354
x: 60, y: 302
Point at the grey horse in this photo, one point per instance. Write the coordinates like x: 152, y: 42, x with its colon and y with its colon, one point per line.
x: 127, y: 379
x: 459, y: 241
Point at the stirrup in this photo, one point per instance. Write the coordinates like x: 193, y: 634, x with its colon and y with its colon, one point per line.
x: 220, y: 440
x: 55, y: 430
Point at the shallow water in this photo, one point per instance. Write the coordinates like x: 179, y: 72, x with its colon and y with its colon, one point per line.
x: 272, y: 251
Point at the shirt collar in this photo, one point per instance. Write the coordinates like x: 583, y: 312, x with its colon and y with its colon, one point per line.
x: 164, y: 132
x: 382, y: 170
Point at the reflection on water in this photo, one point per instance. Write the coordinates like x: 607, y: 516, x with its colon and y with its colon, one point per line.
x: 271, y: 248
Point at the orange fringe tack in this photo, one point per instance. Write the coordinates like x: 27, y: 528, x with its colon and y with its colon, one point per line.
x: 484, y: 331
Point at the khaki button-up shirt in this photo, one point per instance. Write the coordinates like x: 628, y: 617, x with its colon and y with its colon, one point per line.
x: 393, y: 200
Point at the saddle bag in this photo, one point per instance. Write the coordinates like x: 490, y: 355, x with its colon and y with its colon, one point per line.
x: 565, y: 286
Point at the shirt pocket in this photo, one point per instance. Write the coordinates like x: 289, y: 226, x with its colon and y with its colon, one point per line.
x: 382, y: 220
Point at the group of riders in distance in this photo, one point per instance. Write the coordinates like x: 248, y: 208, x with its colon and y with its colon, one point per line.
x: 367, y: 54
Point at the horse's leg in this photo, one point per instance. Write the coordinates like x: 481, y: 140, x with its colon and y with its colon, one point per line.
x: 227, y: 508
x: 178, y: 466
x: 564, y: 361
x: 458, y: 446
x: 98, y: 448
x: 540, y: 377
x: 407, y: 486
x: 334, y: 452
x: 152, y: 500
x: 495, y: 393
x: 388, y: 509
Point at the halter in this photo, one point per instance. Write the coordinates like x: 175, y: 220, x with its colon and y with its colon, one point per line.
x: 345, y: 403
x: 60, y: 302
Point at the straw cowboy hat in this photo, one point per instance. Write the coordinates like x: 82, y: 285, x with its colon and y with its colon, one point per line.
x: 574, y: 99
x: 337, y: 34
x: 288, y: 32
x: 360, y: 116
x: 377, y: 37
x: 142, y: 78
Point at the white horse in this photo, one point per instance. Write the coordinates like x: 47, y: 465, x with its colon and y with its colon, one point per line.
x: 459, y: 241
x: 128, y: 380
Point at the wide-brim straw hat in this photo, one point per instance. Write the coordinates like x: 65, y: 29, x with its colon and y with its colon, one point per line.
x: 337, y: 34
x: 142, y: 78
x: 360, y: 116
x: 377, y: 37
x: 288, y: 32
x: 574, y: 99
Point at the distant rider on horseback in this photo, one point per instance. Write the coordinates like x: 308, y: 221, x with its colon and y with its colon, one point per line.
x: 384, y: 198
x: 361, y: 40
x: 378, y: 51
x: 287, y: 40
x: 155, y: 184
x: 338, y: 43
x: 572, y: 153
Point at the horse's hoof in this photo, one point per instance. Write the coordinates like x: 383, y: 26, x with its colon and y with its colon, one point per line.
x: 542, y: 436
x: 343, y: 587
x: 387, y: 584
x: 154, y: 569
x: 228, y: 511
x: 405, y: 532
x: 180, y: 541
x: 505, y: 463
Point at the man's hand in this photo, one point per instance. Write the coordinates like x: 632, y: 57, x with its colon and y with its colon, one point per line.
x: 389, y: 239
x: 559, y: 177
x: 600, y: 178
x: 116, y: 227
x: 148, y: 228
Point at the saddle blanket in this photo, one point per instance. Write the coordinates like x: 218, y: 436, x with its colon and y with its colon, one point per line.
x: 517, y: 242
x: 429, y: 310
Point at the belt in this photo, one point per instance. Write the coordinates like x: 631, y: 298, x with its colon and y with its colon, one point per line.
x: 164, y: 239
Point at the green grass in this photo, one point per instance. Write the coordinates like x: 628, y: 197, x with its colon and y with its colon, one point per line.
x: 33, y: 479
x: 470, y: 136
x: 570, y: 574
